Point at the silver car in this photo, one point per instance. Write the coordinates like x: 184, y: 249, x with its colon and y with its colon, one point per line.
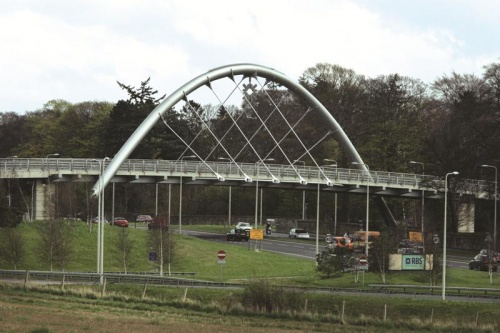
x: 298, y: 233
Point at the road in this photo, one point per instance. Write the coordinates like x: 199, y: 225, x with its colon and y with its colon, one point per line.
x: 279, y: 243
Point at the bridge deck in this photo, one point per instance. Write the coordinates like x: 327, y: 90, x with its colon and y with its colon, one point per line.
x: 330, y: 178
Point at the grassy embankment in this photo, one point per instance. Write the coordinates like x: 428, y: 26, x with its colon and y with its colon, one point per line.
x: 84, y: 308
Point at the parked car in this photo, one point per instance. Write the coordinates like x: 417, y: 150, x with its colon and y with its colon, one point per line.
x: 144, y: 218
x: 495, y: 254
x: 121, y: 222
x: 96, y: 220
x: 243, y: 225
x: 238, y: 235
x: 159, y: 222
x: 481, y: 262
x: 298, y: 233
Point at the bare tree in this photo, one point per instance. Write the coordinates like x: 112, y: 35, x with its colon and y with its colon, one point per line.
x: 123, y: 249
x: 12, y: 248
x: 56, y: 243
x: 382, y: 247
x: 162, y: 242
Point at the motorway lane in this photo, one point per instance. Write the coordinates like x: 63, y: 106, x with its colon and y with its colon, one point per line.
x: 301, y: 248
x: 274, y: 243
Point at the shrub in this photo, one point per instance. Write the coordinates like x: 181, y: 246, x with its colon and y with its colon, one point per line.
x: 262, y: 296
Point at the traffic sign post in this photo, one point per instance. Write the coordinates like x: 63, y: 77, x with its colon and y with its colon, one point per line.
x: 328, y: 238
x: 221, y: 255
x: 363, y: 266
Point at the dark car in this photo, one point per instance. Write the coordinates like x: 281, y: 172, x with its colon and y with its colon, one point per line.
x: 159, y: 222
x: 121, y: 222
x: 238, y: 235
x: 481, y: 262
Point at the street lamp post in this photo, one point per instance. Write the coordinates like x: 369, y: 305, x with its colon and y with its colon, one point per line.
x: 257, y: 190
x: 317, y: 218
x: 101, y: 225
x: 303, y: 194
x: 180, y: 193
x: 367, y: 204
x: 48, y: 181
x: 495, y: 211
x: 229, y: 199
x: 9, y: 180
x: 99, y: 218
x: 423, y: 202
x: 334, y: 163
x: 444, y: 231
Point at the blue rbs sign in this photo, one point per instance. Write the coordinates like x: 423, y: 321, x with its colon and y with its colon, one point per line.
x: 413, y: 262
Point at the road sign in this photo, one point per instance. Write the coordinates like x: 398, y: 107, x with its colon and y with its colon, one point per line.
x: 363, y: 263
x: 257, y: 234
x: 152, y: 256
x: 435, y: 239
x: 221, y: 255
x: 328, y: 238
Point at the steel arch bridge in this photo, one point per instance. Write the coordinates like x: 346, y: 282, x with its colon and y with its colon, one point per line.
x: 262, y: 77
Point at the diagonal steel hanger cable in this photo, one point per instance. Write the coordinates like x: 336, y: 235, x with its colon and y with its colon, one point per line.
x: 222, y: 103
x: 233, y: 159
x: 259, y: 128
x: 244, y: 136
x: 328, y: 181
x: 298, y: 137
x: 209, y: 85
x: 290, y: 130
x: 302, y: 180
x: 219, y: 177
x: 207, y: 127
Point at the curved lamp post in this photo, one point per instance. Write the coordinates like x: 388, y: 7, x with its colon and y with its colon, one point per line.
x: 367, y: 204
x: 444, y: 231
x: 495, y: 214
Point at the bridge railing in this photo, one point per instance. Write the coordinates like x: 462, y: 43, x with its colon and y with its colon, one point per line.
x: 260, y: 172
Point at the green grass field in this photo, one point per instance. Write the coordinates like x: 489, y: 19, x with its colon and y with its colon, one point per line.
x: 87, y: 308
x: 200, y: 256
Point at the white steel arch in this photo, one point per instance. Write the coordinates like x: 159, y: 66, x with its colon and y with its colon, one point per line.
x: 250, y: 70
x: 230, y: 71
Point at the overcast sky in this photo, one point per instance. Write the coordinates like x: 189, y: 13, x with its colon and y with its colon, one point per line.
x: 76, y: 50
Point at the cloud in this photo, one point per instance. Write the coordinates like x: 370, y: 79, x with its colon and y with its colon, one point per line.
x: 77, y: 53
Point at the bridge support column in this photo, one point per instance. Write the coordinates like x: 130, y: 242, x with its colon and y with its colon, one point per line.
x: 466, y: 216
x: 44, y: 207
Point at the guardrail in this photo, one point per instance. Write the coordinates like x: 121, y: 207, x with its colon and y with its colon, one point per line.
x: 467, y: 291
x: 83, y: 277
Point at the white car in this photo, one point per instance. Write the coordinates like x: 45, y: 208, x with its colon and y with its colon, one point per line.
x: 243, y: 225
x: 298, y: 233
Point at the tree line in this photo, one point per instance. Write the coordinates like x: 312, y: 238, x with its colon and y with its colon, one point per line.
x: 451, y: 124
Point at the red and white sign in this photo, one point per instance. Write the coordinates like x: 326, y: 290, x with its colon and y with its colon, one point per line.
x: 363, y: 263
x: 221, y: 255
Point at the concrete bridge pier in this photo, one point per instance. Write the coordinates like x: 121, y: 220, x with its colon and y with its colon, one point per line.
x: 466, y: 216
x: 44, y: 200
